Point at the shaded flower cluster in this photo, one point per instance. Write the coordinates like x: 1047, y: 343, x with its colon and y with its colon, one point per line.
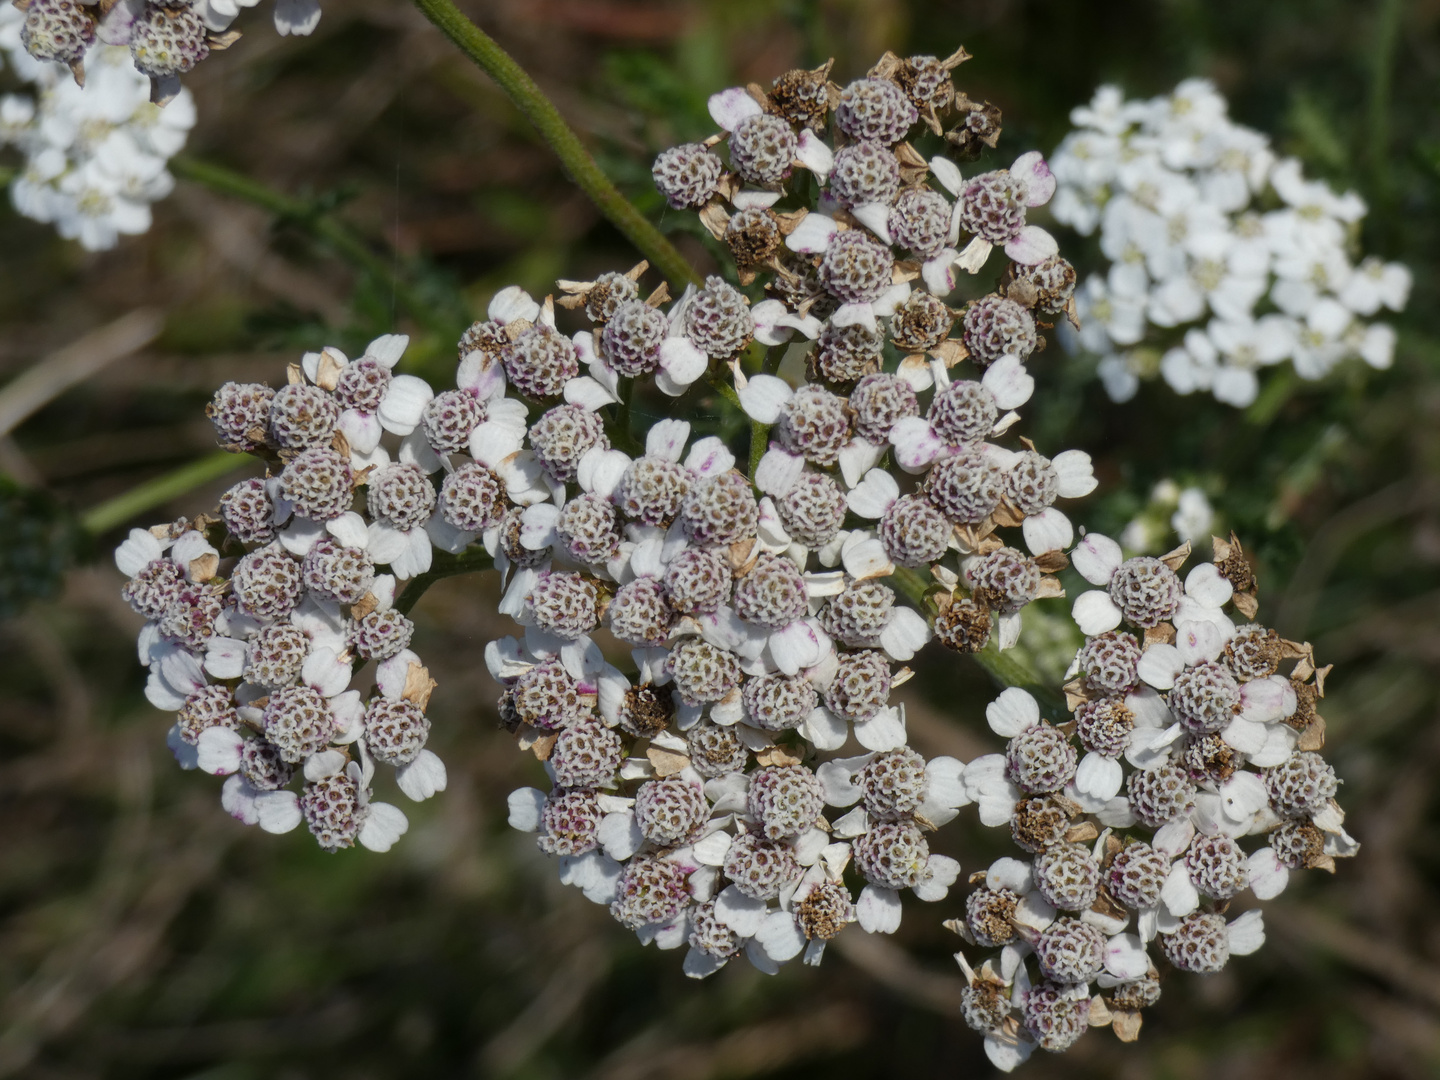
x: 1206, y: 285
x: 1128, y: 870
x: 94, y: 156
x: 165, y: 38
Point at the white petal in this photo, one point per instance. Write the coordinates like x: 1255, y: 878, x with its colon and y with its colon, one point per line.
x: 326, y: 672
x: 349, y: 528
x: 763, y: 396
x: 277, y: 811
x: 362, y: 430
x: 878, y: 910
x: 938, y: 272
x: 874, y: 216
x: 1159, y: 664
x: 754, y: 199
x: 512, y: 303
x: 1098, y: 776
x: 404, y: 403
x: 1266, y: 700
x: 916, y: 444
x: 388, y: 348
x: 1268, y: 876
x: 1125, y: 956
x: 730, y: 107
x: 225, y: 657
x: 1007, y: 1055
x: 600, y: 471
x: 218, y: 750
x: 864, y: 557
x: 682, y: 360
x: 390, y: 675
x: 1097, y: 557
x: 619, y: 835
x: 1178, y: 893
x: 948, y: 173
x: 667, y: 438
x: 1094, y: 612
x: 874, y: 495
x: 1076, y: 474
x: 780, y: 937
x: 940, y: 873
x: 778, y: 471
x: 1247, y: 933
x: 709, y: 457
x: 798, y: 646
x: 824, y: 730
x: 384, y: 825
x: 1012, y: 712
x: 138, y: 551
x: 743, y: 914
x: 1049, y: 530
x: 710, y: 851
x: 815, y: 154
x: 423, y: 777
x: 857, y: 314
x: 883, y: 731
x: 1009, y: 873
x: 906, y: 633
x: 1244, y: 735
x: 1031, y: 245
x: 700, y: 965
x: 813, y: 235
x: 526, y: 805
x: 1008, y: 382
x: 1205, y: 584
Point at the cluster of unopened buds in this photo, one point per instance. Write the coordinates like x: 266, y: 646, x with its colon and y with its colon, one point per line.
x: 1225, y: 794
x: 1222, y: 258
x: 166, y: 38
x: 708, y: 646
x: 261, y: 617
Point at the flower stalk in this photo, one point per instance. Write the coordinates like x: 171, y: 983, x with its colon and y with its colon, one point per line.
x: 487, y: 55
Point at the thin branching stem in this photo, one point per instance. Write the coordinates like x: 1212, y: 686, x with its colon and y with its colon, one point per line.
x: 538, y: 109
x: 161, y: 490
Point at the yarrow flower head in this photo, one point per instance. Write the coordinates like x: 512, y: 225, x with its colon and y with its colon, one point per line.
x: 1196, y: 779
x: 260, y: 618
x: 1200, y: 274
x: 165, y: 38
x: 95, y: 154
x: 737, y: 776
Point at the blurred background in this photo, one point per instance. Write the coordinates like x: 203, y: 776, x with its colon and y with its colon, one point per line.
x: 144, y: 933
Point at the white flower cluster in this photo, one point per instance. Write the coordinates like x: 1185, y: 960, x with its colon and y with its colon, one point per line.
x: 165, y: 38
x: 1183, y: 512
x: 94, y: 157
x: 691, y: 792
x: 1221, y: 747
x: 733, y: 777
x: 1222, y: 258
x: 261, y: 620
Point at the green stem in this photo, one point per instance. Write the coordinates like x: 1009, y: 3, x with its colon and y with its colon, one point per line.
x: 1387, y: 33
x: 161, y: 490
x: 1007, y: 670
x: 530, y: 100
x: 320, y: 223
x: 443, y: 566
x: 759, y: 441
